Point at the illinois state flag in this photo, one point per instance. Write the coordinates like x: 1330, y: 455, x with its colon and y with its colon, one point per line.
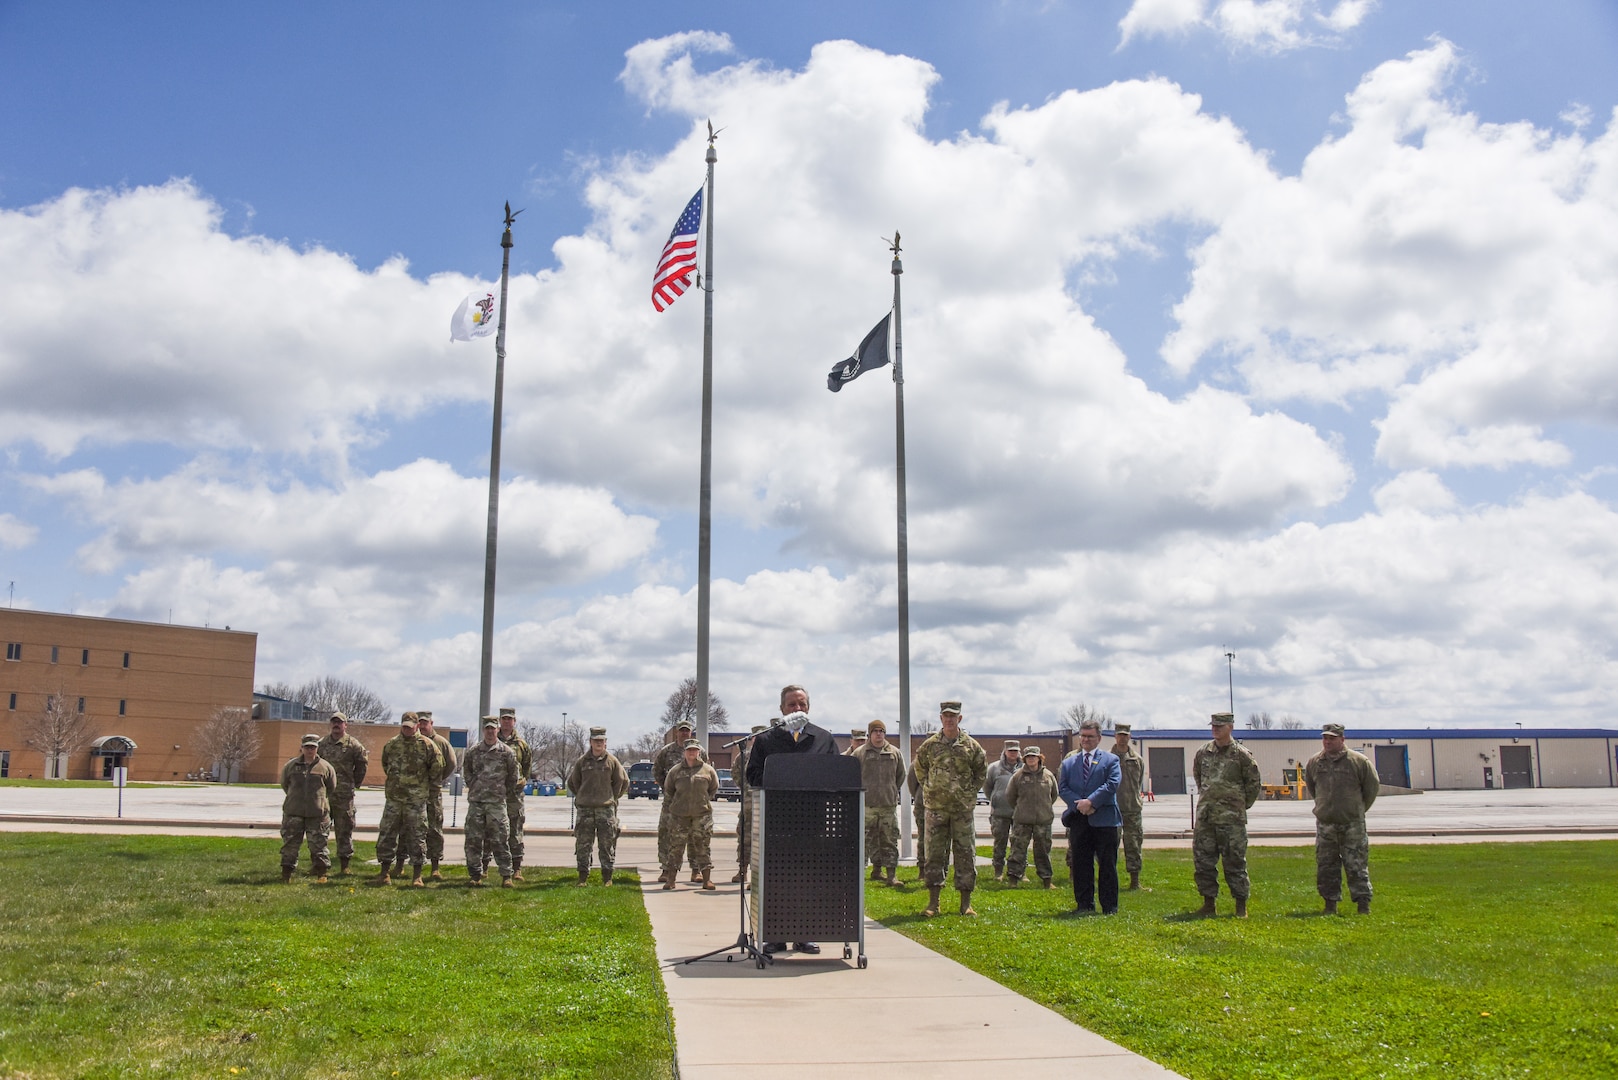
x: 476, y: 317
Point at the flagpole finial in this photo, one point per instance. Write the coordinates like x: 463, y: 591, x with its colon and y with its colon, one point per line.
x: 713, y: 137
x: 893, y: 245
x: 505, y: 240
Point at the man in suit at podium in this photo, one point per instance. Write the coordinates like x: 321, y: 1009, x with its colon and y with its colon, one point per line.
x: 794, y: 735
x: 1089, y: 785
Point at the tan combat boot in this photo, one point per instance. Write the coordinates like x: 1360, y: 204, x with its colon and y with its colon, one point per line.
x: 606, y: 876
x: 584, y: 877
x: 1241, y: 908
x: 320, y: 878
x: 932, y: 901
x: 516, y: 874
x: 1331, y: 908
x: 507, y: 883
x: 415, y: 879
x: 966, y: 902
x: 384, y: 879
x: 893, y: 876
x: 342, y: 871
x: 1207, y: 907
x: 707, y: 881
x: 876, y: 872
x: 1134, y: 881
x: 1364, y: 906
x: 741, y: 876
x: 286, y: 875
x: 669, y: 878
x: 696, y: 876
x: 435, y: 875
x: 398, y: 866
x: 475, y: 883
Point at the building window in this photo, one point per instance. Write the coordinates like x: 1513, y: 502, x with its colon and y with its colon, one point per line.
x: 126, y: 660
x: 5, y: 763
x: 86, y: 660
x: 54, y: 651
x: 13, y: 705
x: 13, y: 650
x: 81, y: 704
x: 122, y: 706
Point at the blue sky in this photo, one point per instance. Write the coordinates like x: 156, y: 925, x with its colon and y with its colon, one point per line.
x: 1280, y: 325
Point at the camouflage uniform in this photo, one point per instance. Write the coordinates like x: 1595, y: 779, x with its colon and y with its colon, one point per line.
x: 918, y: 815
x: 349, y: 759
x: 597, y: 784
x: 951, y: 772
x: 882, y: 770
x: 410, y: 763
x: 306, y: 811
x: 1031, y: 795
x: 1343, y: 786
x: 435, y: 798
x: 489, y: 772
x: 1133, y: 768
x: 516, y: 809
x: 995, y: 783
x: 689, y: 793
x: 663, y: 762
x: 1227, y: 784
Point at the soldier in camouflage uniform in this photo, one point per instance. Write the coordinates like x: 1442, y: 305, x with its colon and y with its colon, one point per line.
x: 435, y: 792
x: 410, y: 762
x: 995, y: 783
x: 490, y: 770
x: 951, y: 766
x: 349, y: 759
x: 597, y: 780
x: 689, y: 789
x: 856, y: 739
x: 516, y: 809
x: 1031, y: 795
x: 309, y: 784
x: 744, y: 817
x: 1228, y: 782
x: 1133, y: 768
x: 666, y: 759
x: 882, y: 770
x: 1344, y: 784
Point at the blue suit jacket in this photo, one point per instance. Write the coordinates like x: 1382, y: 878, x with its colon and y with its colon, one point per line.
x: 1102, y: 790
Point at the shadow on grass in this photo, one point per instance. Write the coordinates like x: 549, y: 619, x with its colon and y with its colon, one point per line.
x: 131, y: 856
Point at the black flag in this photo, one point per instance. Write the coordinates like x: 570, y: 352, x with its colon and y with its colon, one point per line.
x: 872, y: 353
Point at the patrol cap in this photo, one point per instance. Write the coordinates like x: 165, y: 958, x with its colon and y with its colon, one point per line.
x: 683, y: 725
x: 491, y: 721
x: 952, y: 708
x: 338, y: 717
x: 858, y: 733
x: 1120, y: 729
x: 407, y: 718
x: 311, y: 740
x: 1013, y: 744
x: 1331, y: 729
x: 598, y: 733
x: 877, y: 725
x: 507, y: 712
x: 1033, y: 751
x: 692, y: 744
x: 1222, y: 719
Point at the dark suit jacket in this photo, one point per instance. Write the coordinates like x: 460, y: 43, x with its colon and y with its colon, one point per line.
x: 814, y: 739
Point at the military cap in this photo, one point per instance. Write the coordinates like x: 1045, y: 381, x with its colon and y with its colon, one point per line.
x: 507, y: 712
x: 407, y: 718
x: 1033, y: 751
x: 692, y: 744
x: 311, y: 740
x: 424, y: 714
x: 1223, y: 719
x: 1331, y: 729
x: 491, y: 721
x: 1013, y: 744
x: 758, y: 728
x: 683, y: 725
x: 951, y: 707
x: 1120, y: 729
x: 877, y: 725
x: 858, y: 733
x: 338, y: 717
x: 598, y: 733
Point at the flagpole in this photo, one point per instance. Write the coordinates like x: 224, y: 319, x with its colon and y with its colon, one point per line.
x: 487, y: 670
x: 904, y: 550
x: 705, y: 498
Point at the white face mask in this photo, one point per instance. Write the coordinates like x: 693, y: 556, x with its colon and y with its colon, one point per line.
x: 794, y: 722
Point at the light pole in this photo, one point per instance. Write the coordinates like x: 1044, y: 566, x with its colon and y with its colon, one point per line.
x: 1230, y: 678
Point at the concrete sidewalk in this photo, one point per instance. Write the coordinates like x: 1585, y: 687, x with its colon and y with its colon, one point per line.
x: 910, y: 1013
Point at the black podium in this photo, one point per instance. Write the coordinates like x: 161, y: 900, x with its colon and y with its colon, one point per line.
x: 808, y: 853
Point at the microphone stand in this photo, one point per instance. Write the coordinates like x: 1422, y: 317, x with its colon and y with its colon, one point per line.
x: 743, y: 945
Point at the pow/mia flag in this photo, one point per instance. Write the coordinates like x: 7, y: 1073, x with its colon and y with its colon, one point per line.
x: 872, y: 353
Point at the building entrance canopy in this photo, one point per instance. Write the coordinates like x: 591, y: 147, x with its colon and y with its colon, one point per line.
x: 112, y: 746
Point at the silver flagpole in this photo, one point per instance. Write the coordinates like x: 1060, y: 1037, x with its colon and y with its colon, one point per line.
x: 705, y: 499
x: 904, y: 550
x: 487, y: 671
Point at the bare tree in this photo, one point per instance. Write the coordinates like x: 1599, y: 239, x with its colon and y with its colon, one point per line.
x: 228, y: 739
x: 58, y: 729
x: 1081, y: 713
x: 555, y: 748
x: 641, y: 748
x: 682, y: 706
x: 1261, y: 721
x: 283, y: 690
x: 329, y: 694
x: 1290, y: 723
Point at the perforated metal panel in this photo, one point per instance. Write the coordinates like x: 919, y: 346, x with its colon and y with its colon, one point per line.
x: 806, y: 866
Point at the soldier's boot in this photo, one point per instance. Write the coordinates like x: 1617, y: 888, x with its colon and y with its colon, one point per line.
x: 966, y: 902
x: 415, y: 879
x: 1364, y: 906
x: 707, y: 881
x: 696, y: 876
x: 1047, y: 883
x: 606, y: 875
x: 435, y: 875
x: 876, y: 871
x: 516, y: 872
x: 1134, y: 881
x: 584, y: 876
x: 1241, y: 907
x: 286, y: 875
x: 932, y: 901
x: 476, y: 882
x: 384, y: 879
x: 507, y: 883
x: 1331, y: 908
x: 669, y: 878
x: 999, y: 873
x: 342, y: 870
x: 321, y: 879
x: 893, y: 876
x: 741, y: 876
x: 398, y: 866
x: 1207, y: 907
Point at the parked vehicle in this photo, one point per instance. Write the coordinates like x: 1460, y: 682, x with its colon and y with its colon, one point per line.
x: 641, y: 782
x: 728, y: 788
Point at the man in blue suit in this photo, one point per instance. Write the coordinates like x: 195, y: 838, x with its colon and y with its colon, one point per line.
x: 1088, y: 783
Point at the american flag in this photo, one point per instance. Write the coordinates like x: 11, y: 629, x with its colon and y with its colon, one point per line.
x: 679, y: 259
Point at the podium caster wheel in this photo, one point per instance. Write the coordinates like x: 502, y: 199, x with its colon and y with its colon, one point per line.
x: 862, y: 961
x: 848, y: 953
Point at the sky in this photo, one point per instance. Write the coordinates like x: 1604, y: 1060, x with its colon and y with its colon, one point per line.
x: 1275, y: 328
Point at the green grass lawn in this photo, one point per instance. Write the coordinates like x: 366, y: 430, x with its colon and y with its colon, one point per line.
x: 180, y: 956
x: 1478, y: 960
